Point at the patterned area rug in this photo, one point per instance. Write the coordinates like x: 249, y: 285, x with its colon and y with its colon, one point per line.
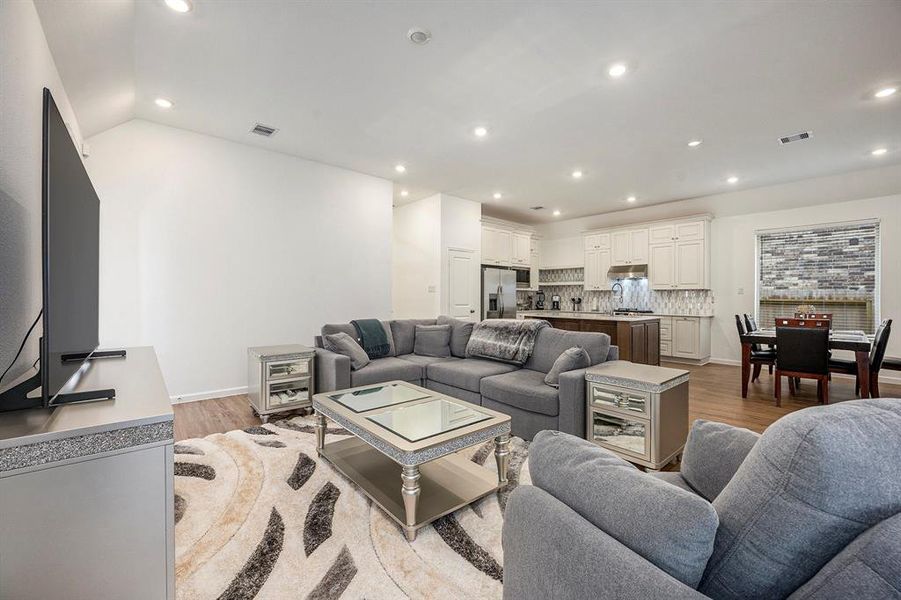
x: 259, y: 515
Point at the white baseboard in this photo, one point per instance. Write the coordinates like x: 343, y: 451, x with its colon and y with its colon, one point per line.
x: 194, y: 397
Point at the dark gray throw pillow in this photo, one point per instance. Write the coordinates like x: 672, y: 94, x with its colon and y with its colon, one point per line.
x: 460, y: 332
x: 341, y: 343
x: 570, y: 360
x: 432, y: 340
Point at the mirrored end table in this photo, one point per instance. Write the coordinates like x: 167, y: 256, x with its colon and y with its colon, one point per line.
x: 401, y: 428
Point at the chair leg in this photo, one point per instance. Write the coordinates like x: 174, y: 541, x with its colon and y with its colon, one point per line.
x: 792, y: 386
x: 756, y: 374
x: 825, y: 392
x: 771, y: 369
x: 874, y: 385
x: 820, y: 391
x: 778, y: 388
x: 857, y: 386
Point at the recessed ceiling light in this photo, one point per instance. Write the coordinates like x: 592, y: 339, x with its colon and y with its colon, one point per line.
x: 732, y: 179
x: 617, y: 70
x: 419, y: 36
x: 879, y: 151
x: 886, y: 92
x: 404, y: 193
x: 497, y: 195
x: 630, y: 199
x: 181, y: 6
x: 556, y: 213
x: 163, y: 103
x: 577, y: 174
x: 694, y: 143
x: 400, y: 168
x: 480, y: 131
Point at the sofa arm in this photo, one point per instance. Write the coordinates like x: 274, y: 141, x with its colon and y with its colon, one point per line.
x: 332, y: 371
x: 571, y: 398
x: 612, y: 353
x: 552, y: 552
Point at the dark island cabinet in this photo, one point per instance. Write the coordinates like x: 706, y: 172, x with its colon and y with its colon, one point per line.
x: 638, y: 340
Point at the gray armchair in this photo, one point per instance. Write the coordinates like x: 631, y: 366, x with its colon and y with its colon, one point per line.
x: 810, y: 509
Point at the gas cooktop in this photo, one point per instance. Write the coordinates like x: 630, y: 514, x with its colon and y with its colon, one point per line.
x: 632, y: 311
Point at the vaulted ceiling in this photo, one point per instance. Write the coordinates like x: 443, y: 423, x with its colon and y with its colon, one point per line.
x: 344, y: 85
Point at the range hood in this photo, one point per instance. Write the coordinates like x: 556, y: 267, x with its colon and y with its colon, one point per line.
x: 628, y: 272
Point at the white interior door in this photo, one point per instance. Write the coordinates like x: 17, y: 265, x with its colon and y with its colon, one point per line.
x: 462, y: 284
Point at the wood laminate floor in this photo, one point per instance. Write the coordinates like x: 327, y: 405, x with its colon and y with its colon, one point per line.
x: 715, y: 394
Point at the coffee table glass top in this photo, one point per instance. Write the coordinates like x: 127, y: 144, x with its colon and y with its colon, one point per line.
x: 426, y: 419
x: 378, y: 397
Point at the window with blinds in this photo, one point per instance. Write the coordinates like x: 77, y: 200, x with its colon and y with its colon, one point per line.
x: 824, y: 269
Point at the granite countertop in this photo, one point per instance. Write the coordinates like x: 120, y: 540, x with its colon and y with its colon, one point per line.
x: 633, y: 375
x: 589, y: 314
x: 140, y: 414
x: 585, y: 314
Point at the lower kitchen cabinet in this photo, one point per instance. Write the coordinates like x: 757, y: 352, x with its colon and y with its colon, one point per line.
x: 685, y: 338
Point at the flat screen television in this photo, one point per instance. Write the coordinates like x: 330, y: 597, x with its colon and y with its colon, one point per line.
x: 71, y: 259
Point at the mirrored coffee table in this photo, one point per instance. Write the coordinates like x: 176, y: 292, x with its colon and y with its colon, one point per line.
x: 401, y: 427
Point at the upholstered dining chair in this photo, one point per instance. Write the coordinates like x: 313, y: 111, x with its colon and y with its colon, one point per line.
x: 877, y: 356
x: 751, y: 327
x: 759, y: 356
x: 803, y: 352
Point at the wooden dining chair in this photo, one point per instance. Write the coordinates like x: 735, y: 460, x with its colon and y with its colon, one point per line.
x: 803, y: 322
x: 876, y: 358
x: 803, y: 352
x: 751, y: 327
x: 759, y: 356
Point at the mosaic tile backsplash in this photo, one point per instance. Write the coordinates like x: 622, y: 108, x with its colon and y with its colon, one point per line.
x: 636, y: 294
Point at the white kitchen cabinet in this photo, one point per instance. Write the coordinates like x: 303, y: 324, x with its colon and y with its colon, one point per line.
x: 534, y: 269
x: 597, y: 263
x: 682, y: 261
x: 497, y: 246
x: 686, y: 334
x: 562, y: 253
x: 597, y: 241
x: 629, y: 247
x: 521, y: 249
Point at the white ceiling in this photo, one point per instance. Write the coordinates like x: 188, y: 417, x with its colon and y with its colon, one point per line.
x: 346, y: 87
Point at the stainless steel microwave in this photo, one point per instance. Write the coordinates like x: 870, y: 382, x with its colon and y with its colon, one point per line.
x: 523, y: 278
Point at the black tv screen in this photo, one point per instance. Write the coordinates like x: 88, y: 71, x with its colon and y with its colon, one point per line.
x: 71, y: 258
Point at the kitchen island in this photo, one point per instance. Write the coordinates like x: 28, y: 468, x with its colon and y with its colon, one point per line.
x: 638, y: 337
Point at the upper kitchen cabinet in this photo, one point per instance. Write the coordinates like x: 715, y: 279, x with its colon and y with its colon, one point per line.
x: 597, y: 263
x: 597, y: 241
x: 562, y: 253
x: 629, y: 247
x: 522, y: 249
x: 679, y: 256
x: 497, y: 246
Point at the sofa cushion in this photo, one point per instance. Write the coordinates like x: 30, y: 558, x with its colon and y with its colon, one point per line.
x: 670, y: 527
x: 869, y: 567
x: 403, y: 332
x: 432, y: 340
x: 551, y: 343
x: 386, y: 369
x: 466, y: 373
x: 813, y: 482
x: 342, y: 343
x: 424, y: 361
x: 570, y: 360
x: 523, y: 389
x: 712, y: 455
x: 459, y: 334
x: 673, y: 477
x: 349, y: 329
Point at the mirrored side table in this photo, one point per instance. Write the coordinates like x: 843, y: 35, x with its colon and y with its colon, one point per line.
x: 280, y: 379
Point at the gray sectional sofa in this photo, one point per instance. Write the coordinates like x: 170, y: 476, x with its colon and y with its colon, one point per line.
x: 518, y: 392
x: 809, y: 510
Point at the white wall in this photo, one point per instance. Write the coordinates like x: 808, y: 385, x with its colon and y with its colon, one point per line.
x: 416, y: 268
x: 209, y: 247
x: 461, y: 229
x: 26, y: 67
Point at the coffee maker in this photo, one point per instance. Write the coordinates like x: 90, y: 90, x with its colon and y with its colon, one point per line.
x: 555, y: 302
x: 539, y: 300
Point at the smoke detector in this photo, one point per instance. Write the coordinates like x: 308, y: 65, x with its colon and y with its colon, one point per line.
x: 419, y: 36
x: 263, y: 130
x: 797, y: 137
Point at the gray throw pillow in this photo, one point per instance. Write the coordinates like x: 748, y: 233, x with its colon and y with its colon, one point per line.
x: 712, y: 455
x: 460, y: 333
x: 569, y: 360
x: 432, y: 340
x: 341, y: 343
x: 672, y: 528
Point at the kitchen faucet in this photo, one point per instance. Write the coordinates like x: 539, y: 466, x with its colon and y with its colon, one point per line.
x: 615, y: 285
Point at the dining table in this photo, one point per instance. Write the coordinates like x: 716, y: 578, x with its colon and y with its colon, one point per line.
x: 858, y: 342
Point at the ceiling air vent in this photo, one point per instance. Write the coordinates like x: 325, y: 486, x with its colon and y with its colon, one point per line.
x: 804, y: 135
x: 536, y: 208
x: 263, y: 130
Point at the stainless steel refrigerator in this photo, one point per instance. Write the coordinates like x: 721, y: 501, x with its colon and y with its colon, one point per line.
x: 498, y: 293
